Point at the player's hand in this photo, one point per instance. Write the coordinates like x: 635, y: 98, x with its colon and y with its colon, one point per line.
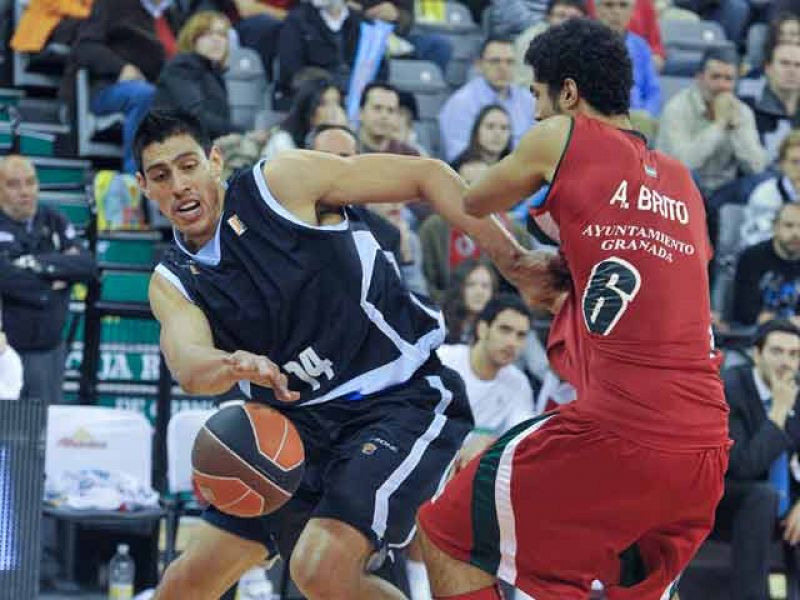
x: 261, y: 371
x: 542, y: 279
x: 791, y: 526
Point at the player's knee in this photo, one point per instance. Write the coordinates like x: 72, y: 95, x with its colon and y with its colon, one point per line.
x: 324, y: 566
x: 180, y: 580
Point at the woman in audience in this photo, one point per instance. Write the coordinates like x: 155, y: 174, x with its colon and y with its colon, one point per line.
x: 191, y: 82
x: 490, y: 139
x: 473, y: 284
x: 767, y: 198
x: 317, y: 102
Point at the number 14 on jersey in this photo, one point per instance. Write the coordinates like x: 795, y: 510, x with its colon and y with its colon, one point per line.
x: 309, y: 367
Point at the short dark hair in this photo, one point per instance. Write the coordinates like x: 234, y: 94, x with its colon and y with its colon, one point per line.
x: 592, y: 55
x: 771, y: 40
x: 579, y: 4
x: 377, y: 85
x: 725, y: 54
x: 501, y: 302
x: 158, y: 126
x: 494, y: 39
x: 775, y: 325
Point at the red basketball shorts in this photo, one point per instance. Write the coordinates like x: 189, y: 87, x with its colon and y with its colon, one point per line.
x: 558, y: 502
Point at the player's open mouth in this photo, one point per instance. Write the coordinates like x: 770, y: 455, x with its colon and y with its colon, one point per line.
x: 188, y: 207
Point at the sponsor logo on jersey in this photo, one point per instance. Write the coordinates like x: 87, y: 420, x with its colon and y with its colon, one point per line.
x: 650, y: 171
x: 236, y: 224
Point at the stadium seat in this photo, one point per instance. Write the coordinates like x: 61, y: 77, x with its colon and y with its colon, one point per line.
x: 466, y: 48
x: 756, y: 37
x: 247, y: 86
x: 726, y: 254
x: 181, y: 431
x: 94, y: 437
x: 686, y: 41
x: 91, y: 128
x: 41, y: 70
x: 417, y: 76
x: 457, y: 19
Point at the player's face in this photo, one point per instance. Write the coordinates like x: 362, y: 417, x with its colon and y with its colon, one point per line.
x: 546, y: 105
x: 716, y: 78
x: 177, y: 175
x: 779, y: 358
x: 478, y: 289
x: 494, y: 132
x: 783, y: 72
x: 787, y: 232
x: 504, y: 339
x: 19, y: 188
x: 497, y: 65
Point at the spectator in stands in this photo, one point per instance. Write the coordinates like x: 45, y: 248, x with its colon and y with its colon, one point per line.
x: 709, y: 129
x: 767, y: 198
x: 445, y: 248
x: 259, y: 24
x: 322, y: 34
x: 767, y: 280
x: 733, y: 15
x: 493, y: 86
x: 44, y: 21
x: 10, y: 371
x: 644, y: 23
x: 386, y: 221
x: 558, y: 11
x: 765, y: 429
x: 407, y: 114
x: 317, y: 102
x: 777, y: 109
x: 783, y: 29
x: 490, y: 138
x: 646, y: 92
x: 509, y: 18
x: 191, y: 82
x: 472, y: 286
x: 40, y: 257
x: 380, y: 105
x: 426, y: 46
x: 122, y: 50
x: 499, y: 393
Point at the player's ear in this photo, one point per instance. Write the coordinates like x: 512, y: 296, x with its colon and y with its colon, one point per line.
x: 217, y: 161
x: 569, y: 96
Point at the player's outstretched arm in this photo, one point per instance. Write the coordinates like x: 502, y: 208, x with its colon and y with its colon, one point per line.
x: 302, y: 179
x: 188, y: 346
x: 532, y: 164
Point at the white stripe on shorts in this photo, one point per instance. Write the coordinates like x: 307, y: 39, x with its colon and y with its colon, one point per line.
x: 507, y: 570
x: 401, y: 473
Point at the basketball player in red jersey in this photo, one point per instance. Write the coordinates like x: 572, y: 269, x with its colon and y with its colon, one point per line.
x: 622, y: 484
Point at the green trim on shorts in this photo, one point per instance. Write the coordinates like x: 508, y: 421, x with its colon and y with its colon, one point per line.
x: 485, y: 553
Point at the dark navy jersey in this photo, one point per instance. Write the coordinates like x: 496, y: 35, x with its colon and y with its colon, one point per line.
x: 323, y: 302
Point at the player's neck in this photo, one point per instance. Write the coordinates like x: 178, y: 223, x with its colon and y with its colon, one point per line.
x: 480, y: 364
x: 622, y: 121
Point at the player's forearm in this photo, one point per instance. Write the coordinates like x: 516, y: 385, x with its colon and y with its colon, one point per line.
x: 200, y: 370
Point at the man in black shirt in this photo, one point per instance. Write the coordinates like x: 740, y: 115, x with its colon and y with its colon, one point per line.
x: 767, y: 281
x: 39, y: 258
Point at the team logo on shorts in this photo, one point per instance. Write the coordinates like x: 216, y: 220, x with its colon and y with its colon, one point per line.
x: 236, y: 224
x: 368, y: 448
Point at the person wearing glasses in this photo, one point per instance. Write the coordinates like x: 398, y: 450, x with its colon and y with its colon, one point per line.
x: 494, y: 85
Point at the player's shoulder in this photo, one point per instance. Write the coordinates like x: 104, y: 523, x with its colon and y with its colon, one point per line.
x: 451, y: 354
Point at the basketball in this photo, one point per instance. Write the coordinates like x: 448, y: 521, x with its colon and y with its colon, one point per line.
x: 247, y: 460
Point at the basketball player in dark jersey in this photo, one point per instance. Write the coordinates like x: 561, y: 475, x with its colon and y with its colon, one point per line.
x: 622, y: 484
x: 274, y: 284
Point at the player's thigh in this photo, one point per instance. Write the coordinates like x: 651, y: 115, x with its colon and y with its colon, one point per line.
x: 385, y: 470
x: 214, y: 560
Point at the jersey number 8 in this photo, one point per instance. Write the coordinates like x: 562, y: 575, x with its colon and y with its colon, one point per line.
x: 612, y: 286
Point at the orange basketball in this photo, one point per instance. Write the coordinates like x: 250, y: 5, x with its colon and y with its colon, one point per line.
x: 247, y: 460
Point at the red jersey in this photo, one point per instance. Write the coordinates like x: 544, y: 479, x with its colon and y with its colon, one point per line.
x: 634, y: 336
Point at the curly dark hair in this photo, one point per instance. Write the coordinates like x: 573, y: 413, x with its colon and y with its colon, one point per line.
x: 590, y: 54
